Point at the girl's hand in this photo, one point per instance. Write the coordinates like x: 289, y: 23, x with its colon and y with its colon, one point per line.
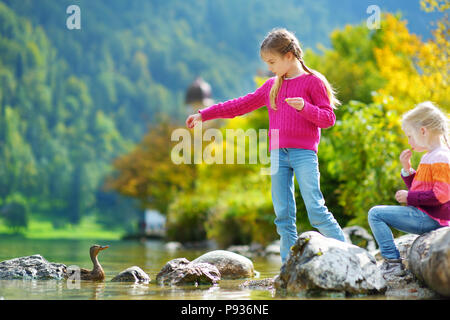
x: 193, y: 119
x: 296, y: 103
x: 401, y: 196
x: 405, y: 159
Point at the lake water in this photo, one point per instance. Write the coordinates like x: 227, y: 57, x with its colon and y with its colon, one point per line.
x: 150, y: 256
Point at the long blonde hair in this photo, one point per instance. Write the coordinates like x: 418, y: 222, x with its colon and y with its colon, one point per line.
x: 429, y: 116
x: 282, y: 41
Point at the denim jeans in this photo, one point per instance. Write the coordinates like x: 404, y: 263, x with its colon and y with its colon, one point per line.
x: 304, y: 163
x: 404, y: 218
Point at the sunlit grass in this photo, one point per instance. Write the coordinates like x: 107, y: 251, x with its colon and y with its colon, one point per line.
x: 88, y: 228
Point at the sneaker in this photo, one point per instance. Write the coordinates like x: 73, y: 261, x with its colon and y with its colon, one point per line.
x: 392, y: 267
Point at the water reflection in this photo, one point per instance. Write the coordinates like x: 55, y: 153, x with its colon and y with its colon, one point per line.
x: 97, y: 290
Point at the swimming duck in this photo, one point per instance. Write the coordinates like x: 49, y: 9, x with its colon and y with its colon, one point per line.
x: 96, y: 274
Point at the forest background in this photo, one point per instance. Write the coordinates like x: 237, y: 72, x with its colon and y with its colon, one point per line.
x: 86, y: 115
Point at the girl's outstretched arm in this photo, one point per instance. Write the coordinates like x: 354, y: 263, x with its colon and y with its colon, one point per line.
x: 238, y: 106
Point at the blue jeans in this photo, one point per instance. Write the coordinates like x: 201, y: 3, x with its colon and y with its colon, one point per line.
x: 408, y: 219
x: 284, y: 162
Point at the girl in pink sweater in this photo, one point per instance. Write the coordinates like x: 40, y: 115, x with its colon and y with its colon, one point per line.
x: 300, y: 103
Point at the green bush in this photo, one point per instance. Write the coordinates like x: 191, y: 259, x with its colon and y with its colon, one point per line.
x: 243, y: 214
x: 186, y: 217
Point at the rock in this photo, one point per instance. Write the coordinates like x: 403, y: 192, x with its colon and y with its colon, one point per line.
x: 263, y: 284
x: 230, y: 265
x: 132, y: 274
x: 317, y: 263
x: 165, y: 273
x: 180, y: 271
x: 408, y: 287
x: 273, y: 248
x: 250, y: 251
x: 429, y: 260
x: 243, y: 250
x: 359, y: 236
x: 403, y: 244
x: 32, y: 267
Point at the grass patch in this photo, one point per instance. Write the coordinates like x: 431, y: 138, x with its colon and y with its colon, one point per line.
x: 88, y: 228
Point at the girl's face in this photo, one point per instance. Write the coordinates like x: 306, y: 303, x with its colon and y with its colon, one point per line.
x: 416, y: 139
x: 276, y: 63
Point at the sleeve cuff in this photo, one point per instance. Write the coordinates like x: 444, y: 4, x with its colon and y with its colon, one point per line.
x: 204, y: 115
x: 306, y: 105
x: 407, y: 173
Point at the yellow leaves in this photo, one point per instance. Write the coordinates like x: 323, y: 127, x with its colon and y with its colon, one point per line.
x: 237, y: 123
x: 432, y: 5
x: 259, y: 81
x: 415, y: 71
x: 397, y: 37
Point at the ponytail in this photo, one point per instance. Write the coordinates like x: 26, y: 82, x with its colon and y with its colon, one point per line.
x: 274, y: 92
x: 330, y: 91
x: 305, y: 67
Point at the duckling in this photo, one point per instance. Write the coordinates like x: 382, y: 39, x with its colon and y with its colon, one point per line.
x: 97, y: 273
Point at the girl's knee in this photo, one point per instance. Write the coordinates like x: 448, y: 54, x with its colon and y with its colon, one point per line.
x: 374, y: 213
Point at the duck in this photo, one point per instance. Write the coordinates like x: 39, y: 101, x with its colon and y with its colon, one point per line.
x: 97, y: 273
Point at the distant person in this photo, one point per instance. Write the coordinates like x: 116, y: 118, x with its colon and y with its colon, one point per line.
x: 300, y: 102
x: 427, y: 201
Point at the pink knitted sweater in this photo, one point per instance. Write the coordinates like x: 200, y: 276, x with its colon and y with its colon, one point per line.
x: 297, y: 129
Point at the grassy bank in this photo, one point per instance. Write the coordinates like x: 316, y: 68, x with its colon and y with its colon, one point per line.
x: 86, y: 229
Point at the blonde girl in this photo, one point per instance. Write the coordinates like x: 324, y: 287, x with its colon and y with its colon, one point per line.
x: 300, y: 103
x: 426, y: 203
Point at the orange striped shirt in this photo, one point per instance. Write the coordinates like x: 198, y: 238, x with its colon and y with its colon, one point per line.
x: 429, y: 186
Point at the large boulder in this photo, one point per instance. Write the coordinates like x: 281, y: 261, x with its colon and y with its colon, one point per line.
x: 32, y: 267
x: 180, y: 271
x: 230, y: 265
x: 132, y: 274
x: 317, y: 263
x: 429, y: 260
